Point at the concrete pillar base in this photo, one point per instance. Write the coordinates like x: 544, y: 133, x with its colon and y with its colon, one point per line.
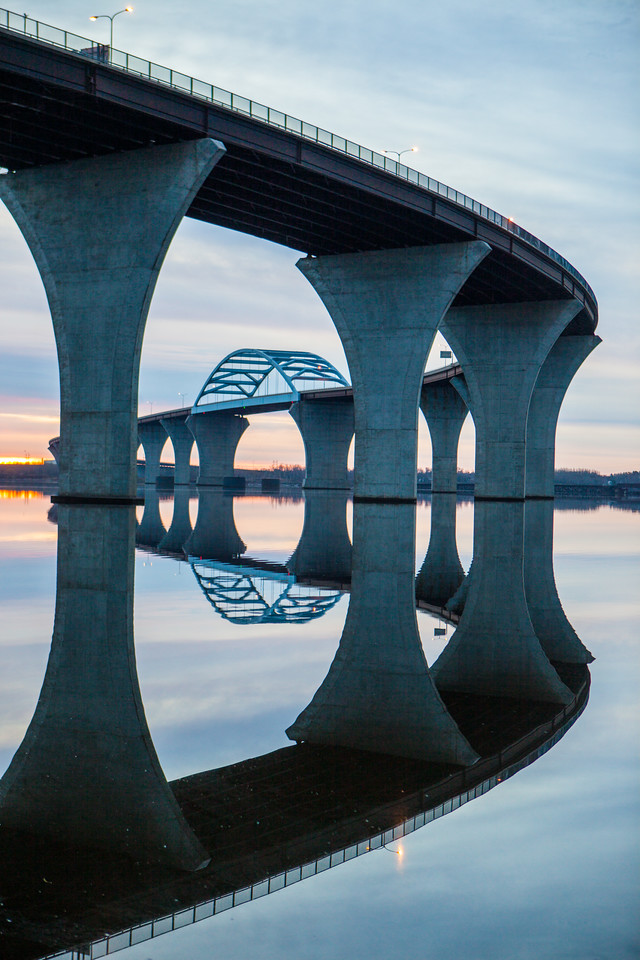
x: 386, y: 306
x: 153, y: 438
x: 182, y: 442
x: 326, y: 427
x: 217, y: 435
x: 445, y: 412
x: 98, y: 230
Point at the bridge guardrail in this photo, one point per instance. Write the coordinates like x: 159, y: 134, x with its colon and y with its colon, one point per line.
x: 74, y: 43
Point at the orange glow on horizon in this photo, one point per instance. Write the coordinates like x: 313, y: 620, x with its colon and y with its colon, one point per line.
x: 21, y: 460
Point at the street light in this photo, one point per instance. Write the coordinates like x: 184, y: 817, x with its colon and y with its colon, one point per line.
x: 398, y: 153
x: 111, y: 17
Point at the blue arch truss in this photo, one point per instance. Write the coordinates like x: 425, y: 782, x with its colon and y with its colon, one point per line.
x: 253, y: 378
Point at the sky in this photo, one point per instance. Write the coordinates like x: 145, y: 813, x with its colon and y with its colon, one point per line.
x: 531, y: 109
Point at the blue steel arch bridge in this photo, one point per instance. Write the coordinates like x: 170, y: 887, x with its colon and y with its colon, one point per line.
x: 268, y: 379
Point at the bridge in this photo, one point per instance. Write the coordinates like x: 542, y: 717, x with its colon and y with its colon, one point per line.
x: 393, y: 254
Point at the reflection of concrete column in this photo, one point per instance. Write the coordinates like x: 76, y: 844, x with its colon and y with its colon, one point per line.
x: 182, y: 442
x: 445, y: 412
x: 378, y: 694
x: 558, y: 370
x: 150, y: 530
x: 86, y: 772
x: 494, y: 650
x: 324, y: 549
x: 556, y: 635
x: 214, y: 536
x: 501, y: 348
x: 441, y: 573
x: 217, y: 436
x: 386, y: 306
x: 180, y: 530
x: 153, y: 437
x: 98, y: 229
x: 326, y: 427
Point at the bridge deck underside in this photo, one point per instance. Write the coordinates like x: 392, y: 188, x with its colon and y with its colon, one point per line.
x: 56, y: 107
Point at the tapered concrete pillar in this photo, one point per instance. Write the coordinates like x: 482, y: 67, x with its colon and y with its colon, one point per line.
x: 217, y: 436
x: 378, y: 694
x: 386, y: 306
x: 445, y: 412
x: 326, y: 427
x: 502, y: 348
x: 494, y: 650
x: 98, y: 230
x: 153, y: 437
x: 324, y: 549
x: 86, y: 772
x: 150, y: 531
x: 441, y: 573
x: 182, y: 441
x: 559, y: 368
x: 557, y: 637
x: 214, y: 536
x: 180, y: 530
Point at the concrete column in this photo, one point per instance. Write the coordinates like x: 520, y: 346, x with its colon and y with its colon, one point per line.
x: 558, y: 370
x: 99, y: 229
x: 494, y: 650
x: 445, y: 412
x: 180, y: 530
x: 86, y: 772
x: 182, y: 442
x: 214, y: 536
x: 324, y: 549
x: 153, y: 437
x: 150, y: 531
x: 501, y: 348
x: 441, y: 573
x: 387, y: 306
x: 326, y: 427
x: 217, y: 436
x: 557, y: 637
x: 378, y: 694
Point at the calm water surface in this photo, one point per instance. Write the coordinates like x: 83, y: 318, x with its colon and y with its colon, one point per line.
x: 545, y: 865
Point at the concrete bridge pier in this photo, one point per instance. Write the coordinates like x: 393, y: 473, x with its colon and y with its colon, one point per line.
x: 180, y: 529
x: 558, y: 370
x: 386, y: 306
x: 441, y: 573
x: 502, y: 348
x: 326, y: 427
x: 324, y: 548
x: 98, y: 230
x: 182, y: 441
x: 494, y: 650
x: 215, y: 536
x: 445, y: 412
x: 153, y: 437
x: 217, y: 436
x: 378, y: 694
x: 86, y: 772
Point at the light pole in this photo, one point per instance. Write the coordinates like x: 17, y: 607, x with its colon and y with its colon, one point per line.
x: 111, y: 17
x: 398, y: 153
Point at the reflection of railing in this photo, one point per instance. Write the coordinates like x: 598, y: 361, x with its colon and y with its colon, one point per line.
x: 245, y: 596
x: 21, y: 23
x: 443, y: 798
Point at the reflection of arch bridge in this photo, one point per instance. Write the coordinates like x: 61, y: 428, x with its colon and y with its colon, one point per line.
x: 247, y: 594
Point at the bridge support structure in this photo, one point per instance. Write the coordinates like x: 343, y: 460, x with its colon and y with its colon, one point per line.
x: 386, y: 306
x: 441, y: 574
x: 445, y: 412
x: 153, y: 437
x: 98, y: 230
x: 87, y: 773
x: 214, y: 535
x: 379, y: 694
x: 324, y: 548
x: 182, y: 441
x: 326, y: 427
x: 217, y: 436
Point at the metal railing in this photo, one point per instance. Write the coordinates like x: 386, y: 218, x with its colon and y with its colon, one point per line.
x: 22, y: 23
